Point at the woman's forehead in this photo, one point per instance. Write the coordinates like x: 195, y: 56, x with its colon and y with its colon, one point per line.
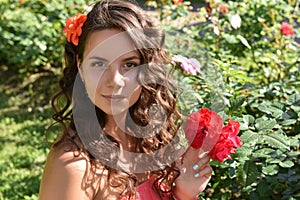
x: 109, y: 43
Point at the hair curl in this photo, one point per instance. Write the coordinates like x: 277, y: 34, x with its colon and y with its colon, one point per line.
x: 155, y: 113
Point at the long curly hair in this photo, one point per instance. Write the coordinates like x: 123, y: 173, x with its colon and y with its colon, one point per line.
x: 154, y: 115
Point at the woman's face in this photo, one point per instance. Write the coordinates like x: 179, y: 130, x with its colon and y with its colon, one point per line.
x: 109, y: 70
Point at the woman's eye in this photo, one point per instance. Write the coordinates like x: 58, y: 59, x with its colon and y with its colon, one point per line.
x: 130, y: 65
x: 98, y: 64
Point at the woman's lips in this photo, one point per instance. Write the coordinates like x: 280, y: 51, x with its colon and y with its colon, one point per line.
x: 113, y: 97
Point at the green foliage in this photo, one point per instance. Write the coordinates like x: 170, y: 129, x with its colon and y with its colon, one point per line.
x: 23, y: 149
x: 30, y: 57
x: 31, y: 38
x: 250, y: 73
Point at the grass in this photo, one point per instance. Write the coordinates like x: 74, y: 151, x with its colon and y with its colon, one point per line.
x: 24, y: 119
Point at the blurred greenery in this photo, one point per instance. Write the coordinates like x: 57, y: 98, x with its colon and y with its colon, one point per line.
x: 30, y: 60
x: 249, y: 72
x: 23, y: 146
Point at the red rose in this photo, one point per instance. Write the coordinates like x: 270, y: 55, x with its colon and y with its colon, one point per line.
x: 230, y: 132
x: 227, y: 142
x: 286, y: 29
x: 221, y: 151
x: 205, y: 117
x: 194, y: 132
x: 204, y: 129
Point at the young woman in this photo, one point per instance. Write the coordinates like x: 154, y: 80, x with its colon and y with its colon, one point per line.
x: 117, y: 105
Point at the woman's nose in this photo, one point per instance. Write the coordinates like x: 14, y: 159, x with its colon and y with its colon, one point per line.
x: 115, y: 78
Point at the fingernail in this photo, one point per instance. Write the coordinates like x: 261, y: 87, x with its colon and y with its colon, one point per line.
x: 196, y: 166
x: 197, y: 175
x: 207, y: 176
x: 202, y: 154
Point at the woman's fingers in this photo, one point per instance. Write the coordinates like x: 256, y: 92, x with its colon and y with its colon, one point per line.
x: 203, y: 161
x: 202, y: 167
x: 205, y: 171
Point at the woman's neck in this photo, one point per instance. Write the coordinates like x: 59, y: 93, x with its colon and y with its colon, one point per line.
x: 115, y: 127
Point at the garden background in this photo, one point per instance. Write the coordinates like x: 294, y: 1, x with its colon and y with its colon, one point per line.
x: 249, y: 56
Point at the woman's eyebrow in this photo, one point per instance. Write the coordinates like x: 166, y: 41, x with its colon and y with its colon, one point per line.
x: 132, y: 58
x: 98, y: 58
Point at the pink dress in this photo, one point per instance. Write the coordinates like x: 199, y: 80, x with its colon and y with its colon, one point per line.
x: 147, y: 192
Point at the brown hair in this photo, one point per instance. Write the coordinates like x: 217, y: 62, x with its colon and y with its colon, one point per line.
x: 157, y: 89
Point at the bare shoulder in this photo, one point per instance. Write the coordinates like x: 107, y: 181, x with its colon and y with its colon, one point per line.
x: 64, y: 176
x: 65, y: 159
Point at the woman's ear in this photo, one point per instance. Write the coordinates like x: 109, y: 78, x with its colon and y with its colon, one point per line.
x: 79, y: 67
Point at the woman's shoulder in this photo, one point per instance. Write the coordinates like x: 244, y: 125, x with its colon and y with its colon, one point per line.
x: 66, y: 153
x: 67, y: 157
x: 64, y: 175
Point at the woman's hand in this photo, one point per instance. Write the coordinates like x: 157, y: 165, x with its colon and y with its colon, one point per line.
x: 195, y: 174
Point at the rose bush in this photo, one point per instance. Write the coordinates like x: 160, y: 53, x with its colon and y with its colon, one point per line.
x: 250, y: 70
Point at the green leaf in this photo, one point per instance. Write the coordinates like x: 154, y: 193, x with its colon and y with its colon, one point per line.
x: 249, y: 137
x: 243, y: 126
x: 260, y: 155
x: 273, y: 160
x: 254, y: 195
x: 270, y: 170
x: 215, y: 185
x: 244, y: 41
x: 277, y: 140
x: 266, y: 151
x: 275, y: 109
x: 293, y: 153
x: 230, y: 38
x: 248, y: 119
x: 237, y: 102
x: 241, y: 174
x: 277, y: 114
x: 265, y: 124
x: 239, y: 76
x: 296, y: 108
x: 251, y: 171
x: 262, y: 187
x: 278, y: 105
x: 286, y: 164
x: 264, y: 107
x: 247, y: 173
x: 288, y: 122
x: 243, y: 152
x: 294, y: 99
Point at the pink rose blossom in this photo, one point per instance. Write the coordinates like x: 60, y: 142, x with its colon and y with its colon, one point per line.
x: 190, y: 65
